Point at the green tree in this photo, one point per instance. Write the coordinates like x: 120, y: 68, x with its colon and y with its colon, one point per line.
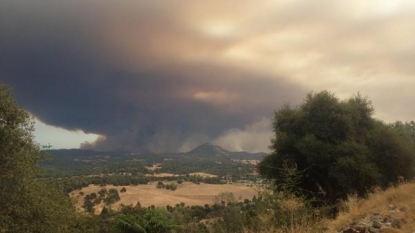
x: 337, y: 148
x: 112, y: 197
x: 27, y: 204
x: 160, y: 185
x: 406, y: 130
x: 233, y: 219
x: 129, y: 223
x: 88, y: 204
x: 102, y: 192
x: 155, y: 220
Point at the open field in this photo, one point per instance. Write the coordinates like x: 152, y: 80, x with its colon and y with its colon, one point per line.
x: 187, y: 192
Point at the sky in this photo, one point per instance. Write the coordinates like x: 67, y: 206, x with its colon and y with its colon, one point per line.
x: 169, y: 75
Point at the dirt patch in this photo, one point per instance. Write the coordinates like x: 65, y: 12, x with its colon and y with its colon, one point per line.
x: 187, y: 192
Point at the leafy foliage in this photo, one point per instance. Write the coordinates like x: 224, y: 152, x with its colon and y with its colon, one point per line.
x: 146, y: 221
x: 27, y: 204
x: 337, y: 147
x: 112, y: 197
x: 129, y: 224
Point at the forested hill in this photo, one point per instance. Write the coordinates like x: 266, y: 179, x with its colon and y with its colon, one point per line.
x: 204, y: 158
x: 209, y: 149
x: 206, y: 150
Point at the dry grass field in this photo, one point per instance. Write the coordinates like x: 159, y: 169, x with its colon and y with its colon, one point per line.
x: 380, y: 202
x: 187, y: 192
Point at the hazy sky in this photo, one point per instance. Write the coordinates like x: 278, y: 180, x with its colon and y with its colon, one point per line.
x: 168, y: 75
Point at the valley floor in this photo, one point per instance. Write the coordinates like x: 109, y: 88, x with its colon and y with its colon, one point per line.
x: 187, y: 192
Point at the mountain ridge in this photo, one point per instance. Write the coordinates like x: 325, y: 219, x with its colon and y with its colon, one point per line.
x: 206, y: 158
x: 209, y: 148
x: 203, y: 149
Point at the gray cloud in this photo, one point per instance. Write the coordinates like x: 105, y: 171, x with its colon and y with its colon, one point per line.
x: 101, y: 68
x: 164, y: 75
x: 254, y: 137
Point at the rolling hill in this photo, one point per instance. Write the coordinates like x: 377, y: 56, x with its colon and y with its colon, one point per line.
x: 207, y: 158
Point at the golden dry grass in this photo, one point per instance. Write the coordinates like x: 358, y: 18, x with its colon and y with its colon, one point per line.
x: 187, y: 192
x: 358, y: 209
x: 380, y: 202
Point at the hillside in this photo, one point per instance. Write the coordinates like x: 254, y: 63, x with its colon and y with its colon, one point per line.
x: 208, y: 149
x: 207, y: 158
x: 389, y: 211
x: 187, y: 192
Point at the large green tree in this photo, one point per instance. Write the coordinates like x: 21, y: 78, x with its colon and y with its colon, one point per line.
x: 337, y: 148
x: 27, y: 204
x: 406, y: 130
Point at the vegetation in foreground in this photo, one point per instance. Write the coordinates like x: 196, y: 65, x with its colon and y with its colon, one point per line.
x: 27, y: 204
x: 395, y: 202
x: 325, y: 149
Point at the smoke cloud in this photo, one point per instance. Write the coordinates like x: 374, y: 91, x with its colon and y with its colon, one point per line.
x: 252, y: 138
x: 166, y: 76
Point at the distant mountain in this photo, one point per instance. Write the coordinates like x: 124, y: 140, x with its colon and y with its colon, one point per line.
x: 207, y: 158
x: 209, y: 149
x: 205, y: 150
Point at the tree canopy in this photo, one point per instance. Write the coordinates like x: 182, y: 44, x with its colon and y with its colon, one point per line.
x: 27, y: 204
x: 337, y: 147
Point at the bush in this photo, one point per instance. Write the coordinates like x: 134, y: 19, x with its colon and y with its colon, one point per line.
x: 160, y: 185
x: 171, y: 186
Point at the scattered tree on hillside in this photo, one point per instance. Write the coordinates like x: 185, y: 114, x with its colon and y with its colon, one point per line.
x: 112, y: 196
x: 337, y: 148
x: 160, y: 185
x: 102, y: 192
x: 225, y: 198
x: 171, y: 186
x: 88, y: 204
